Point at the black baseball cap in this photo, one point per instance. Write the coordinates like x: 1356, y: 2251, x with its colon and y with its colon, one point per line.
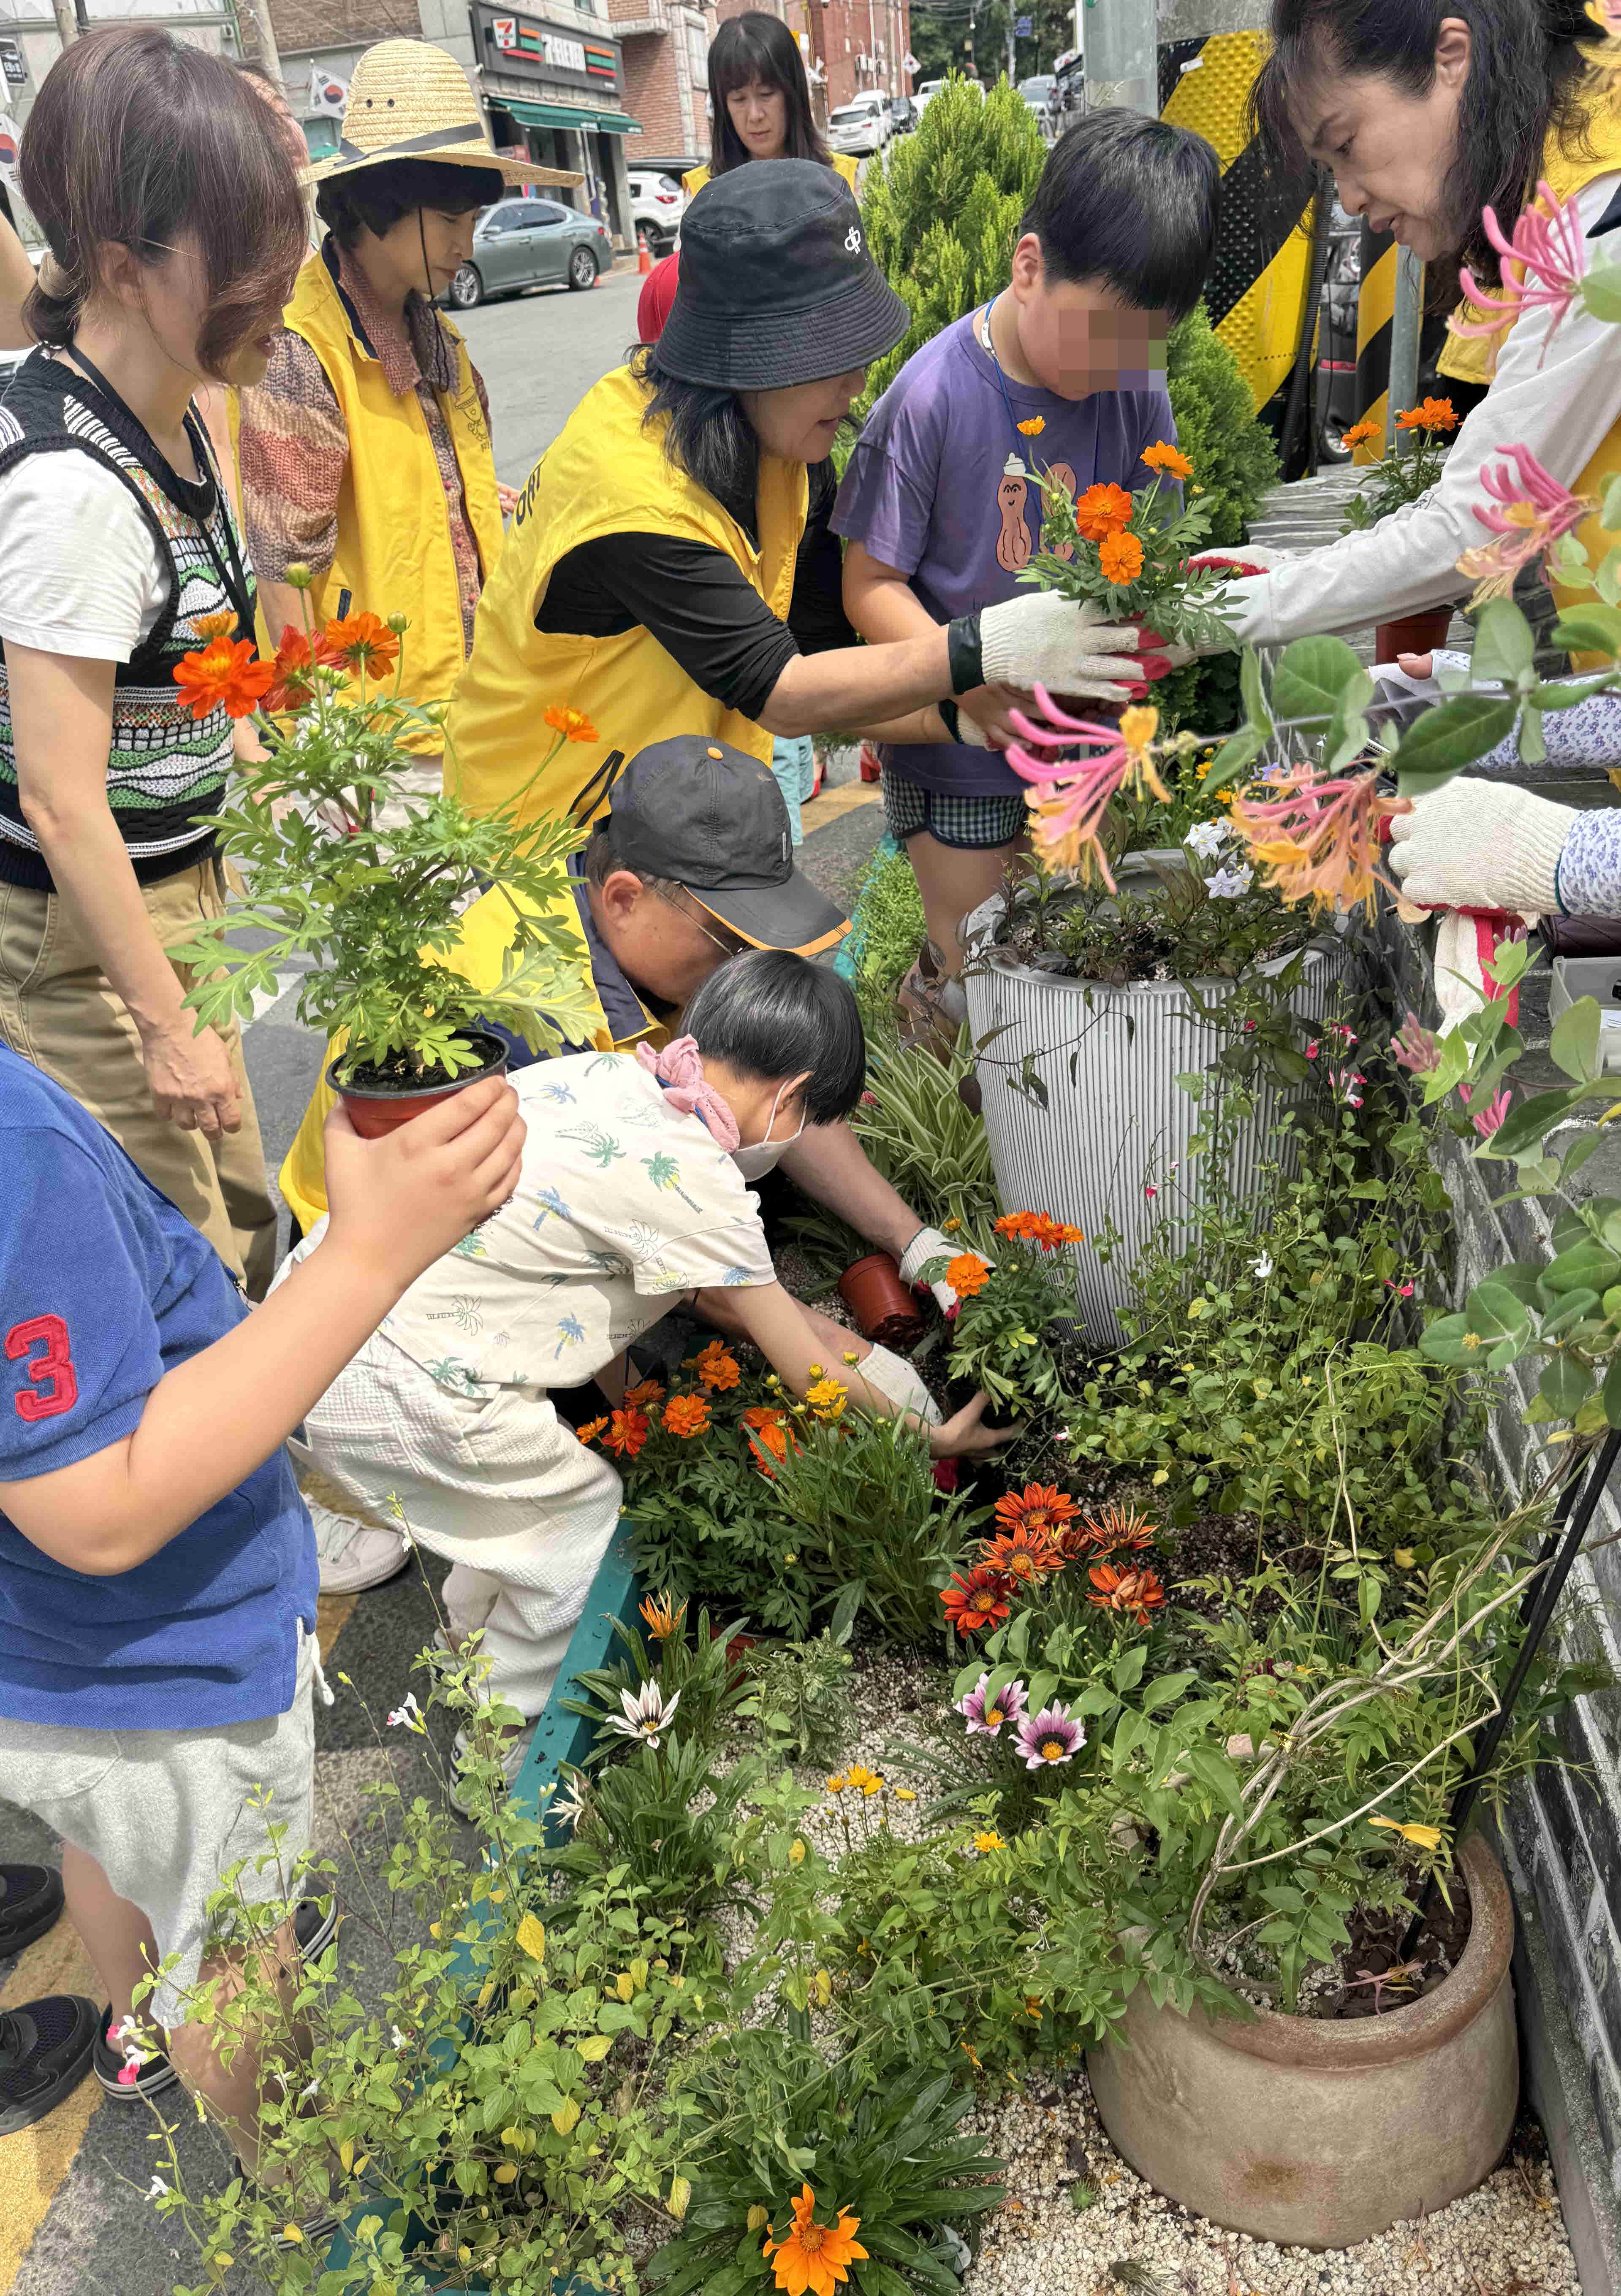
x: 713, y: 820
x: 777, y: 284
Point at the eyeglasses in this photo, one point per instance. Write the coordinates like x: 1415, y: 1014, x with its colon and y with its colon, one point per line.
x: 732, y: 946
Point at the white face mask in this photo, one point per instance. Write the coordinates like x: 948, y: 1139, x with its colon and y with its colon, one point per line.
x: 763, y: 1156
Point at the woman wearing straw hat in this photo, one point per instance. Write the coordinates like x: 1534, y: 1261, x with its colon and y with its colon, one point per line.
x: 366, y: 451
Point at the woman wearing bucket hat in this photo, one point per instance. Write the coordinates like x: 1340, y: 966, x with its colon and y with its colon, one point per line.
x: 646, y: 582
x: 366, y: 451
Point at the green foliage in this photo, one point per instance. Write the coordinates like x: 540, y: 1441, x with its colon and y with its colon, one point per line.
x: 1162, y: 924
x: 1232, y: 455
x: 1181, y: 605
x: 699, y: 1668
x: 931, y: 1146
x: 887, y: 924
x: 1004, y: 1338
x: 639, y: 1828
x: 803, y: 1697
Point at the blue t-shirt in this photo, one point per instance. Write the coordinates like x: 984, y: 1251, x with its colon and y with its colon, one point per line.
x: 104, y: 1287
x: 941, y: 485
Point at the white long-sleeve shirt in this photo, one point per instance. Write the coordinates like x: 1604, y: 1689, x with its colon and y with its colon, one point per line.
x: 1561, y: 407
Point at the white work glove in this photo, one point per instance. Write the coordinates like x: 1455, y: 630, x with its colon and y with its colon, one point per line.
x: 894, y: 1379
x: 1473, y: 844
x: 1069, y: 648
x: 928, y: 1244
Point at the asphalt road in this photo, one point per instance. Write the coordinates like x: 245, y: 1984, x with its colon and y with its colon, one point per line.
x: 539, y: 352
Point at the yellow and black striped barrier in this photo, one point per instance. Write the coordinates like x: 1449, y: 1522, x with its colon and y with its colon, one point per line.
x: 1375, y: 318
x: 1262, y: 274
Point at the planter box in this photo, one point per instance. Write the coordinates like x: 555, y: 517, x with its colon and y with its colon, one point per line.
x: 559, y: 1738
x: 1318, y: 2133
x: 1115, y: 1116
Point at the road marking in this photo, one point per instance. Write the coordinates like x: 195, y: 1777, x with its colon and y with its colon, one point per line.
x: 835, y: 803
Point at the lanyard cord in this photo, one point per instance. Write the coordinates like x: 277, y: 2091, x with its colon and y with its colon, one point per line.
x: 1001, y: 384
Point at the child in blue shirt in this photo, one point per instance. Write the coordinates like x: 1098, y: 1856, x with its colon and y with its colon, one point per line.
x: 158, y: 1575
x: 1063, y: 373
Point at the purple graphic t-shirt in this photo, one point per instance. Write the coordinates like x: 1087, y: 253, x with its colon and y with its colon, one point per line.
x: 941, y: 485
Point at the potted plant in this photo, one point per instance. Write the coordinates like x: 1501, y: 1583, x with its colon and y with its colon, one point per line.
x: 364, y: 890
x: 1401, y: 478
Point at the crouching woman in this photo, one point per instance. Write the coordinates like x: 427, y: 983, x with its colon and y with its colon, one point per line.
x: 630, y: 1202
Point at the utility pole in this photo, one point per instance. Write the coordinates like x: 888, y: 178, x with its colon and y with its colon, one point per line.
x: 269, y: 53
x: 67, y: 24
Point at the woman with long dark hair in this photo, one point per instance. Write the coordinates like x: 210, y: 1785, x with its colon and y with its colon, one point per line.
x: 759, y: 102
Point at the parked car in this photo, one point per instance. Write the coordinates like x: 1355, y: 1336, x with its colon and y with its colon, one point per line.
x: 526, y: 243
x: 657, y: 204
x: 862, y: 125
x: 1038, y: 93
x: 904, y: 115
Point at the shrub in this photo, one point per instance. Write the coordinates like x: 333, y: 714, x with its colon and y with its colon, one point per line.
x: 1216, y: 427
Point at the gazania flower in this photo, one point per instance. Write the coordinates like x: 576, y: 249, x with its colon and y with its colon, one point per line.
x: 646, y: 1716
x: 1120, y: 559
x: 643, y: 1395
x: 1536, y: 512
x: 812, y: 2258
x: 1547, y: 246
x: 827, y: 1397
x: 1037, y: 1227
x: 1039, y: 1508
x: 1102, y: 510
x: 986, y: 1721
x: 1025, y: 1556
x: 1072, y: 794
x: 1109, y: 1531
x: 1360, y: 434
x: 573, y: 724
x: 1318, y: 834
x: 360, y: 642
x: 664, y: 1615
x: 627, y: 1433
x: 294, y: 673
x: 1135, y: 1593
x: 977, y: 1598
x: 1050, y: 1737
x: 1429, y: 415
x: 1163, y: 456
x: 686, y: 1416
x: 967, y: 1274
x: 716, y: 1367
x: 1032, y: 426
x: 224, y: 676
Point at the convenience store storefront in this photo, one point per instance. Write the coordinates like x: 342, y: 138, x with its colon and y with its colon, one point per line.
x: 555, y: 92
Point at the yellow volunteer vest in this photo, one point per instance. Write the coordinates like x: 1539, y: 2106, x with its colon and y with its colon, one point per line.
x: 394, y: 554
x: 695, y: 179
x: 607, y: 473
x: 1473, y: 358
x: 479, y: 956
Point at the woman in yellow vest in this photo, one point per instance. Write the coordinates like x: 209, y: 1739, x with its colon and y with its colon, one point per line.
x: 1426, y: 112
x: 759, y: 102
x: 366, y: 451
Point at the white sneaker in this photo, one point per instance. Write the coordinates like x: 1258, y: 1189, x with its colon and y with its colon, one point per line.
x: 512, y: 1758
x: 354, y: 1554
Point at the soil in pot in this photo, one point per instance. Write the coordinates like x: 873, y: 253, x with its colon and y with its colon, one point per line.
x: 380, y: 1096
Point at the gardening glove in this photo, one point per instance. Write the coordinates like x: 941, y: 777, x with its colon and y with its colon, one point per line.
x: 895, y: 1380
x: 927, y: 1244
x: 1474, y: 844
x: 1045, y: 640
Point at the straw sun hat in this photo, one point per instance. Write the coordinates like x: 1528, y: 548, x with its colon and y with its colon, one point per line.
x: 408, y: 99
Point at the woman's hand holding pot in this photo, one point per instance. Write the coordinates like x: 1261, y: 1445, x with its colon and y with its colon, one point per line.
x: 1069, y: 647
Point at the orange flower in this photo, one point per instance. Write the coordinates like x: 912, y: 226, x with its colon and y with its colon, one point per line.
x: 1114, y: 1528
x: 686, y: 1416
x: 814, y: 2258
x: 1102, y: 510
x: 966, y: 1274
x: 769, y: 1430
x: 664, y: 1615
x: 977, y: 1598
x: 1036, y: 1228
x: 1429, y: 415
x: 1163, y: 456
x: 628, y: 1434
x: 222, y: 624
x: 360, y: 642
x: 295, y: 664
x: 1041, y: 1509
x: 715, y: 1368
x: 1034, y: 425
x: 573, y: 724
x: 1025, y: 1556
x: 1137, y: 1593
x: 1120, y: 557
x: 1361, y: 434
x: 643, y: 1395
x: 592, y: 1429
x: 224, y: 676
x: 1319, y: 834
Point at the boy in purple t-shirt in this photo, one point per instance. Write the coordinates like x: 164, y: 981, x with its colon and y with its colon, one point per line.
x: 940, y: 506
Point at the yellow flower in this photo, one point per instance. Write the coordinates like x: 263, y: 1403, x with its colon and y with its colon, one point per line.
x: 293, y: 2236
x: 1424, y: 1837
x: 904, y: 1794
x: 986, y: 1842
x: 797, y: 1853
x: 663, y: 1616
x: 1138, y: 727
x: 827, y: 1398
x: 1034, y: 426
x: 869, y: 1781
x: 837, y: 1785
x: 851, y: 1356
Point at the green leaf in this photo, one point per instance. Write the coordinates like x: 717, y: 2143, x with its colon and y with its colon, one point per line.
x: 1574, y: 1046
x: 1492, y: 1312
x: 1256, y: 711
x: 1446, y: 1341
x: 1612, y: 1393
x: 1448, y: 738
x: 1611, y: 510
x: 1564, y: 1385
x: 1523, y: 1126
x: 1235, y: 757
x: 1602, y: 295
x: 1590, y: 629
x: 1504, y: 647
x: 1310, y: 679
x: 1585, y: 1266
x: 1574, y: 1307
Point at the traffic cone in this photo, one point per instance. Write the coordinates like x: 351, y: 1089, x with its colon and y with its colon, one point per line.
x: 644, y: 260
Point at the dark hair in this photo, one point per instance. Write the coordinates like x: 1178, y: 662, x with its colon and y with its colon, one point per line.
x: 771, y: 1014
x: 1525, y: 69
x: 136, y: 138
x: 709, y: 437
x: 252, y: 70
x: 747, y: 48
x: 600, y: 862
x: 1131, y: 201
x: 374, y: 198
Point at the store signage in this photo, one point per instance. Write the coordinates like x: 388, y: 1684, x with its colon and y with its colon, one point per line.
x: 12, y: 63
x: 527, y: 45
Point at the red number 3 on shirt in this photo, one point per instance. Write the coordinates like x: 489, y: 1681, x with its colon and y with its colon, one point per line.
x: 52, y: 1372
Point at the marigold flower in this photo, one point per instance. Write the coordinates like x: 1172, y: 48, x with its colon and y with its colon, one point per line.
x: 1072, y: 794
x: 1163, y: 456
x: 644, y: 1394
x: 664, y: 1615
x: 716, y: 1367
x: 1136, y: 1593
x: 1034, y: 425
x: 223, y: 676
x: 827, y: 1397
x: 1026, y: 1556
x: 360, y: 642
x: 812, y: 2258
x: 1102, y: 510
x: 1120, y: 558
x: 967, y: 1274
x: 686, y: 1416
x: 1039, y: 1508
x: 573, y: 724
x: 977, y: 1598
x: 1548, y: 245
x: 627, y: 1434
x: 294, y: 673
x: 1428, y: 414
x: 1360, y: 434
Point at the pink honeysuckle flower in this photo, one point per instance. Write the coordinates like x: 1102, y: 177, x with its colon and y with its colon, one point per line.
x: 1547, y: 246
x: 1489, y: 1119
x: 1070, y: 794
x: 1417, y: 1049
x: 1536, y: 512
x: 1318, y: 835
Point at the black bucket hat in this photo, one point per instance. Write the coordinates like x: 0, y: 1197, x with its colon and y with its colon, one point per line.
x: 777, y: 284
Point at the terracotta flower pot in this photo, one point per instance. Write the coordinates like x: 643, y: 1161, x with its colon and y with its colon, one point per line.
x: 883, y: 1306
x: 1413, y: 634
x: 375, y: 1110
x: 1319, y: 2134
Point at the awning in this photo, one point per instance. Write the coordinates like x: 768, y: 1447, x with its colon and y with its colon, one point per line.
x: 564, y: 115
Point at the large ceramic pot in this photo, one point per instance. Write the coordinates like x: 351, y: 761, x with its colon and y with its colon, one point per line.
x: 1115, y: 1120
x: 1318, y: 2134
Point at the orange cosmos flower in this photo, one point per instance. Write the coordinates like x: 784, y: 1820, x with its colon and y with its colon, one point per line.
x: 223, y: 676
x: 1041, y: 1509
x: 295, y: 663
x: 1429, y: 415
x: 1361, y: 434
x: 643, y: 1395
x: 1036, y: 1228
x: 813, y: 2258
x: 592, y: 1429
x: 1025, y: 1556
x: 625, y: 1438
x: 769, y: 1428
x: 573, y: 724
x: 715, y: 1368
x: 360, y: 642
x: 1136, y: 1593
x: 1120, y: 558
x: 222, y: 624
x: 1102, y: 510
x: 686, y: 1416
x: 967, y: 1275
x: 1034, y: 425
x: 1163, y: 456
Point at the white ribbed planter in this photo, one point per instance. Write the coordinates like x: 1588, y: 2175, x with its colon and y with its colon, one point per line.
x: 1116, y: 1118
